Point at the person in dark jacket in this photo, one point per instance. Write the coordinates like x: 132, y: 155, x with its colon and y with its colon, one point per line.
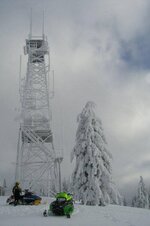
x: 17, y: 193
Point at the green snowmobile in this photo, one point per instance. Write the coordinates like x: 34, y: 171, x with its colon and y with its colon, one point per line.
x: 62, y: 206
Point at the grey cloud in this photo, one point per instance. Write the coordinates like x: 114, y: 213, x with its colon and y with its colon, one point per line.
x: 136, y: 52
x: 145, y: 165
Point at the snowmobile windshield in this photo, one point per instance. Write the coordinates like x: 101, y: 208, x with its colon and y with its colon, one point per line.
x: 64, y: 196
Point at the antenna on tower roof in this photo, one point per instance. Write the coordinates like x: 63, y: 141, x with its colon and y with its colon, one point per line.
x: 43, y: 24
x: 30, y: 35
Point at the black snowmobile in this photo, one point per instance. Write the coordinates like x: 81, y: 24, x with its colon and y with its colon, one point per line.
x: 62, y: 206
x: 28, y: 198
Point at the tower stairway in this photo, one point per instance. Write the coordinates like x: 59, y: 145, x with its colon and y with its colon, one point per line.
x: 31, y: 136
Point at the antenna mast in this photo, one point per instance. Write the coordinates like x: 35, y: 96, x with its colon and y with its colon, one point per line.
x: 43, y: 23
x: 30, y: 35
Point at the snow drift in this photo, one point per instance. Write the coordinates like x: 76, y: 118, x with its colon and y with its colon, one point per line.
x: 111, y: 215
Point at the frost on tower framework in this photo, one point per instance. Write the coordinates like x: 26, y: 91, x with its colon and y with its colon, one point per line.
x: 37, y: 165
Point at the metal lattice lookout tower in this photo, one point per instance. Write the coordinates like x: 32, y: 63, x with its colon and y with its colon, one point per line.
x: 37, y: 165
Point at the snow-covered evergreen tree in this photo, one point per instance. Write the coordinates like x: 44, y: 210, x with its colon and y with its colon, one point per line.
x: 92, y: 177
x: 142, y: 200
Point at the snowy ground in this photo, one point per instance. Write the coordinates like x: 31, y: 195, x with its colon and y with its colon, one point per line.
x: 83, y: 216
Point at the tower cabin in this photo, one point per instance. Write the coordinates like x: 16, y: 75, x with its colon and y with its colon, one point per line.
x: 36, y: 47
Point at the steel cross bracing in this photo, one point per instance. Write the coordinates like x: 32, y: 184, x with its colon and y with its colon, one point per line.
x: 36, y: 166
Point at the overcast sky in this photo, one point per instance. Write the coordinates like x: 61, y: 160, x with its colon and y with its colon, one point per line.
x: 100, y: 51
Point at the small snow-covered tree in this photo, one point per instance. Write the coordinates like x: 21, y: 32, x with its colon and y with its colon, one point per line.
x: 4, y: 186
x: 149, y: 197
x: 92, y: 177
x: 124, y: 202
x: 66, y: 186
x: 142, y: 196
x: 134, y: 201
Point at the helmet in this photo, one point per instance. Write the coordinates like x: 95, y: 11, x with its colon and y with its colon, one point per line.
x: 17, y: 183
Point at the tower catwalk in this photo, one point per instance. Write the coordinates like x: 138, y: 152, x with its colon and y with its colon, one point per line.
x: 36, y: 166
